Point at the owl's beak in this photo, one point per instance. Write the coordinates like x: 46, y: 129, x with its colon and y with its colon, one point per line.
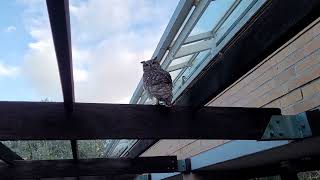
x: 142, y: 62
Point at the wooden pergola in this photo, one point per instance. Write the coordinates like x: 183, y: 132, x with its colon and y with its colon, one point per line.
x: 188, y: 119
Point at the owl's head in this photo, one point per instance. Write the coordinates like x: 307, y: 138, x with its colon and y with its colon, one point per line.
x: 150, y: 65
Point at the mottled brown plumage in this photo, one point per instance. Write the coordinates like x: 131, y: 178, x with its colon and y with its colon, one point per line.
x: 157, y: 82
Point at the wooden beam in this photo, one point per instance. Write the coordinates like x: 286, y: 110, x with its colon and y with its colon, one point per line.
x: 60, y: 26
x: 89, y: 167
x: 74, y: 149
x: 36, y: 121
x: 7, y: 155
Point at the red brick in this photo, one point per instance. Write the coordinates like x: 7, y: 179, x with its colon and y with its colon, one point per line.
x: 313, y: 45
x: 311, y: 89
x: 304, y: 77
x: 289, y: 61
x: 284, y: 76
x: 309, y: 61
x: 291, y: 98
x: 307, y: 104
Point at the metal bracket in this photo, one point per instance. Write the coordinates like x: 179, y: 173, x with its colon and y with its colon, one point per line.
x: 184, y: 165
x: 143, y: 177
x: 287, y: 127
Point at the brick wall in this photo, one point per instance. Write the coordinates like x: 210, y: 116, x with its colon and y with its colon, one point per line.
x: 288, y: 79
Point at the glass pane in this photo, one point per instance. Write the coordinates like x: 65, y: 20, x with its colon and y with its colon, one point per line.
x: 28, y: 66
x: 123, y: 146
x: 309, y: 175
x: 174, y: 74
x: 103, y: 148
x: 238, y: 12
x: 181, y: 60
x: 209, y: 19
x: 41, y: 150
x: 190, y: 70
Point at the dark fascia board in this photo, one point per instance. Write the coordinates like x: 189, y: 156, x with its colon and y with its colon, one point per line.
x: 89, y: 167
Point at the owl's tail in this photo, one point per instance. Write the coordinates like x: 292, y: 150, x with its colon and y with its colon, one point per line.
x: 168, y: 102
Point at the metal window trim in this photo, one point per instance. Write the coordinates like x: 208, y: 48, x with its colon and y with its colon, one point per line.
x: 215, y: 51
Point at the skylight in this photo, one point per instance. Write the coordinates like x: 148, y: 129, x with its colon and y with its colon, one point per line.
x: 206, y: 31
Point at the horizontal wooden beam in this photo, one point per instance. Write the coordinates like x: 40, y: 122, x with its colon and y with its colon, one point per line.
x: 89, y: 167
x: 42, y: 120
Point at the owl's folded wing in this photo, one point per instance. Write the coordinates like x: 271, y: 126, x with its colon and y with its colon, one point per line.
x: 161, y: 77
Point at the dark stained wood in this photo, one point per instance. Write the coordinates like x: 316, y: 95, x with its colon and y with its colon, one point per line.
x: 7, y: 155
x: 109, y: 177
x: 37, y: 120
x: 60, y: 26
x: 89, y: 167
x: 314, y: 121
x: 74, y: 148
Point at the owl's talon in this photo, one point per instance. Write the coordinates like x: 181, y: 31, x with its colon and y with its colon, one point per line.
x: 157, y: 103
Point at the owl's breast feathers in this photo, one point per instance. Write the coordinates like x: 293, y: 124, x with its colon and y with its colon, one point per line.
x: 157, y: 77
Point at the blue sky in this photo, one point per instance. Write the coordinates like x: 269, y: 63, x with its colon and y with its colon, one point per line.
x: 109, y: 39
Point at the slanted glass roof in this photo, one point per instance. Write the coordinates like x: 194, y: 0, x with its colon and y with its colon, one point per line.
x: 207, y: 29
x: 212, y: 15
x: 103, y: 148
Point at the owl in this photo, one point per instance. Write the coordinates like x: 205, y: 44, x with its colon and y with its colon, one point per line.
x: 157, y: 82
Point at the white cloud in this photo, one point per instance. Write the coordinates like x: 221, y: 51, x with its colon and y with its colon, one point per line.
x: 40, y: 66
x: 80, y: 75
x: 8, y: 71
x: 10, y: 29
x: 109, y: 39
